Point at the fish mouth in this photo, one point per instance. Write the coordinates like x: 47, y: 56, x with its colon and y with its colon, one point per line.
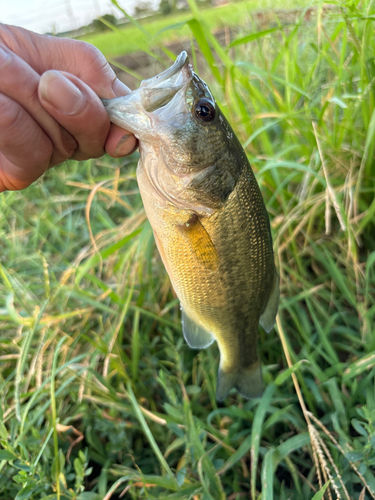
x: 168, y: 74
x: 135, y: 111
x: 156, y: 92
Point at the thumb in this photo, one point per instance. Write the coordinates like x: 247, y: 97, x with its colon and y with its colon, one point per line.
x: 77, y: 108
x: 61, y: 93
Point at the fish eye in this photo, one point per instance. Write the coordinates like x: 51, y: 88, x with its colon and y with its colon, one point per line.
x: 205, y: 110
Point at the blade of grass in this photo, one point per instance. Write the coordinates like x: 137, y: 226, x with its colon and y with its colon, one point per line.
x: 149, y: 435
x: 54, y: 417
x: 22, y: 360
x: 267, y: 476
x: 256, y: 432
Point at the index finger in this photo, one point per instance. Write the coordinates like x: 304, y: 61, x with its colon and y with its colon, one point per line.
x: 78, y: 58
x: 73, y: 56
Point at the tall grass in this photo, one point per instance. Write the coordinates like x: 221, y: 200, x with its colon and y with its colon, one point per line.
x: 147, y: 34
x: 100, y: 396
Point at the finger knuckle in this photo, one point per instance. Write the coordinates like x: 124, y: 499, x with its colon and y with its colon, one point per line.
x: 64, y: 151
x: 91, y: 56
x: 70, y: 150
x: 10, y: 113
x: 69, y: 145
x: 39, y: 156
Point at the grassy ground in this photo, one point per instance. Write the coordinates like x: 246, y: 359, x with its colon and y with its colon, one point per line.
x: 99, y: 395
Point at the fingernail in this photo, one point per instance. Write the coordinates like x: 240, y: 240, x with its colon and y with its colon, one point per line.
x: 122, y: 148
x: 61, y: 93
x: 5, y: 57
x: 120, y: 88
x: 134, y: 149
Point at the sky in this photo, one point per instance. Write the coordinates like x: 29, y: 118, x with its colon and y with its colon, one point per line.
x: 55, y: 16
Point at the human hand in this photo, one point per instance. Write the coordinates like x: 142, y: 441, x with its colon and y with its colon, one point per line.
x: 49, y: 105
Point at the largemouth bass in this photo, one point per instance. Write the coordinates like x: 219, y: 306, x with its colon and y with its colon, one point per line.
x: 209, y: 220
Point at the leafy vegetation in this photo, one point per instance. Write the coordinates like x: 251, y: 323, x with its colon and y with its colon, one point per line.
x: 99, y: 395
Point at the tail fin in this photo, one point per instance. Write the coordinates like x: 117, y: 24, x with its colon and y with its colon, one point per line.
x: 248, y: 382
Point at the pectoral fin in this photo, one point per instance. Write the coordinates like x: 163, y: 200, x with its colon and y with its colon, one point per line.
x: 268, y: 318
x: 201, y: 243
x: 196, y: 336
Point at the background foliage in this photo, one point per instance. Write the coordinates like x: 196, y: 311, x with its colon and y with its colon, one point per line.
x: 99, y: 395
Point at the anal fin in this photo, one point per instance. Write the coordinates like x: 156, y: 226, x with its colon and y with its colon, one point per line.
x: 195, y: 335
x: 268, y: 318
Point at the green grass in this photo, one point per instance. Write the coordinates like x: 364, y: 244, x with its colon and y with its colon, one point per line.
x: 99, y: 393
x: 163, y: 29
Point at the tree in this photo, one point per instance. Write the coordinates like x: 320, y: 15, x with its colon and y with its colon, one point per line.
x: 98, y: 25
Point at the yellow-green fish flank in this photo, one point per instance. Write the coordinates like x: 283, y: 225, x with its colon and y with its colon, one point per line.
x: 208, y: 217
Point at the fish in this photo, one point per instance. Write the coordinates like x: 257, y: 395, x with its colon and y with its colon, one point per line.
x: 209, y: 220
